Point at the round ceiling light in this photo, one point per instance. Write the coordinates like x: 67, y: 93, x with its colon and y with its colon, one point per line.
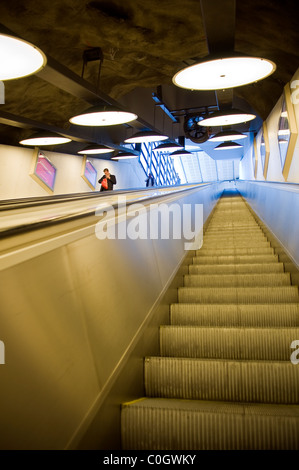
x: 228, y: 146
x: 145, y: 136
x: 180, y: 153
x: 124, y: 156
x: 224, y: 136
x: 95, y: 149
x: 222, y: 73
x: 168, y: 147
x: 45, y: 138
x: 103, y: 116
x: 19, y: 58
x: 226, y: 118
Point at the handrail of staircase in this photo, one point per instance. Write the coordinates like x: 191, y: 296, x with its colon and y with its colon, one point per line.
x: 286, y: 185
x: 11, y: 225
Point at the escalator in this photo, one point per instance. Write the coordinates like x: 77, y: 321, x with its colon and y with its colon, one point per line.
x: 224, y: 379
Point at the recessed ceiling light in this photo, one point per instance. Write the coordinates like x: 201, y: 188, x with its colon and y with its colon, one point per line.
x: 145, y: 136
x: 95, y: 149
x: 19, y: 58
x: 45, y: 138
x: 226, y: 72
x: 103, y: 116
x: 226, y: 118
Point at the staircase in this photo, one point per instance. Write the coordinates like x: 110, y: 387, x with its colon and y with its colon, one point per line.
x: 224, y: 379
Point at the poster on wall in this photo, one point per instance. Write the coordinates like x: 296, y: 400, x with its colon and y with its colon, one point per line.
x: 43, y: 171
x: 89, y: 173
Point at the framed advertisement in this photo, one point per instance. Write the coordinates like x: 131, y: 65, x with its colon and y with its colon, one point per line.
x: 89, y: 173
x: 43, y: 171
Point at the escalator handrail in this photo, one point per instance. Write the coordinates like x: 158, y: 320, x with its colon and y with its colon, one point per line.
x: 22, y: 228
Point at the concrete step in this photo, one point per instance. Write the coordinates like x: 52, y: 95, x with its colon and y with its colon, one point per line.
x: 245, y: 315
x: 243, y: 295
x: 237, y: 280
x: 162, y: 424
x: 235, y: 259
x: 222, y: 380
x: 265, y: 344
x: 235, y: 268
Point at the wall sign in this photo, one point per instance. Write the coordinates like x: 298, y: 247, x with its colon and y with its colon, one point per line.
x: 43, y: 171
x: 89, y: 173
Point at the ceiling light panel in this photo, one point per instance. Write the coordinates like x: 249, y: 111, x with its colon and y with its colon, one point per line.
x: 19, y: 58
x: 219, y: 74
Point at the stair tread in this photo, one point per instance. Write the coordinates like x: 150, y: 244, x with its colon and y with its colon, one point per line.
x: 241, y: 289
x: 236, y: 279
x: 234, y: 380
x: 211, y: 406
x: 231, y: 328
x: 250, y: 362
x: 224, y: 377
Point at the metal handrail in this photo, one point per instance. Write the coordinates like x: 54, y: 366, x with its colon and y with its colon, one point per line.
x: 46, y: 220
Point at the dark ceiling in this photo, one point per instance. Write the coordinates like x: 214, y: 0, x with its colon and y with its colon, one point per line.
x: 144, y: 43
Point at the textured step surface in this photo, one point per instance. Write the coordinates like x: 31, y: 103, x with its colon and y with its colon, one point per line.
x: 235, y: 251
x: 163, y: 424
x: 271, y: 315
x: 271, y: 344
x: 224, y: 380
x: 234, y: 259
x: 236, y: 280
x: 235, y: 268
x: 238, y: 294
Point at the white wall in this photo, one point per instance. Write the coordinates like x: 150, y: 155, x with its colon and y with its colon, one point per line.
x: 70, y: 318
x: 277, y: 205
x: 16, y: 182
x: 246, y: 167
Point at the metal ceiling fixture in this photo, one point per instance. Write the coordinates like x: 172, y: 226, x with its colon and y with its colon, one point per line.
x: 95, y: 149
x: 124, y: 156
x: 145, y: 136
x: 45, y: 138
x: 223, y: 68
x: 228, y: 146
x: 193, y: 130
x: 19, y: 58
x: 168, y: 147
x: 103, y: 116
x: 227, y: 135
x: 227, y: 118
